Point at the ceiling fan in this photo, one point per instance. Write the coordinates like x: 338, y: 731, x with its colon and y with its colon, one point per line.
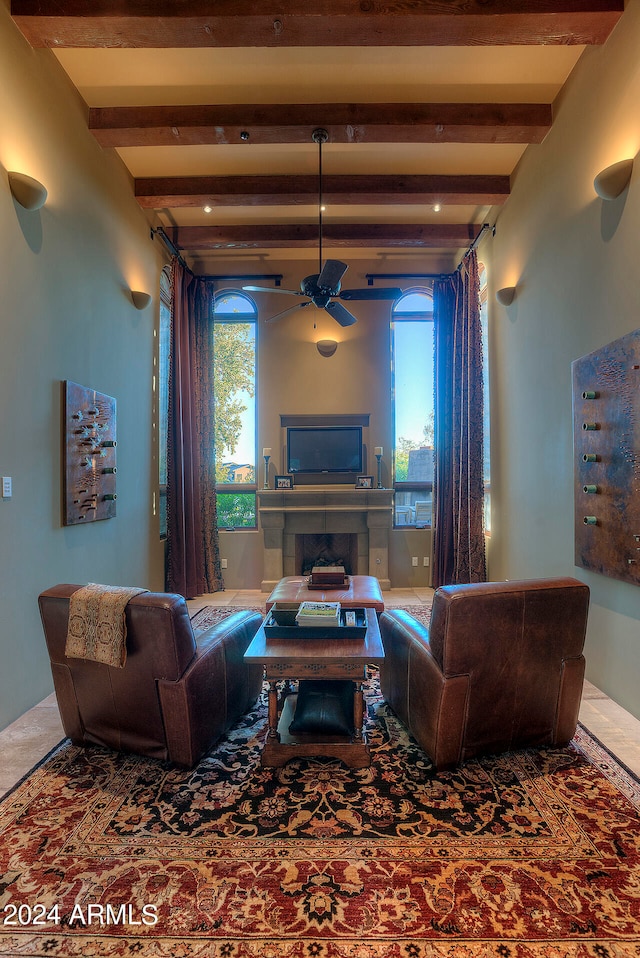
x: 322, y: 289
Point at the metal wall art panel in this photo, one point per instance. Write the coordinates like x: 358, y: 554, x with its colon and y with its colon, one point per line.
x: 606, y: 440
x: 89, y: 455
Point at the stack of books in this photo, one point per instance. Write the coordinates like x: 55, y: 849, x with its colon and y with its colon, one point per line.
x: 318, y: 614
x: 323, y: 577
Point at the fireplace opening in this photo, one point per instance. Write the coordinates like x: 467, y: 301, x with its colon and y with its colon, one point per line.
x: 324, y: 549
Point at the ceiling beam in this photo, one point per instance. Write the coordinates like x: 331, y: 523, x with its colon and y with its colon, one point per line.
x: 260, y: 23
x: 172, y: 192
x: 344, y: 122
x: 241, y: 238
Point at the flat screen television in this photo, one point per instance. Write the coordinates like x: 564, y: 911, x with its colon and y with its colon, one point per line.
x: 324, y: 449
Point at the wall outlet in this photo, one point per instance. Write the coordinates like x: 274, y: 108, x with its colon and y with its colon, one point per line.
x: 414, y: 560
x: 223, y: 563
x: 425, y: 562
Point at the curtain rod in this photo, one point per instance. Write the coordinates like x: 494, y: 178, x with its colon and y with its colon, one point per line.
x: 276, y: 277
x: 169, y: 244
x: 215, y: 277
x: 485, y: 227
x: 371, y: 276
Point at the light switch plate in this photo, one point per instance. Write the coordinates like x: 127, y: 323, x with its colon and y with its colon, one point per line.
x: 6, y: 487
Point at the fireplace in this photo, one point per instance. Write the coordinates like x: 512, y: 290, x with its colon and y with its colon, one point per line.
x: 289, y: 516
x: 326, y: 548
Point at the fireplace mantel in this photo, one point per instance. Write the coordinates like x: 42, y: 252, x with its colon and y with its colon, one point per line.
x: 286, y: 513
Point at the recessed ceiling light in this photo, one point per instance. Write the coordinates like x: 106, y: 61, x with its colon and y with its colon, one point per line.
x: 208, y: 209
x: 437, y: 207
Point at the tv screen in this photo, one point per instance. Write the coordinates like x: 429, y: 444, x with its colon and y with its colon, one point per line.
x: 324, y: 449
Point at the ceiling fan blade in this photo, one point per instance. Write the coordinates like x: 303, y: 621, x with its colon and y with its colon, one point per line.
x: 286, y: 312
x: 371, y: 292
x: 340, y: 313
x: 271, y: 289
x: 332, y: 272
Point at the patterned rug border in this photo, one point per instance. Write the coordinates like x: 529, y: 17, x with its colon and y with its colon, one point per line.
x: 30, y: 772
x: 612, y: 755
x: 217, y: 613
x: 89, y: 946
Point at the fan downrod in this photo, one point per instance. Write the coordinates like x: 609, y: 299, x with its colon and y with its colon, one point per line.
x: 320, y: 136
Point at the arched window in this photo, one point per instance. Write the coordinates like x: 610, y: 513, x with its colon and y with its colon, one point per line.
x: 413, y: 410
x: 234, y: 356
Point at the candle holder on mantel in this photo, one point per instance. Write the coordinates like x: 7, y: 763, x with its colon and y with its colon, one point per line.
x: 266, y: 453
x: 378, y: 454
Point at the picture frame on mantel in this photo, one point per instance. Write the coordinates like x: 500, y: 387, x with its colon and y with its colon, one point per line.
x: 283, y: 482
x: 364, y: 482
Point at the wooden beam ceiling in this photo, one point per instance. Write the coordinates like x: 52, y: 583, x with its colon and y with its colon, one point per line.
x: 258, y: 23
x: 162, y: 24
x: 192, y: 191
x: 344, y: 122
x: 426, y: 236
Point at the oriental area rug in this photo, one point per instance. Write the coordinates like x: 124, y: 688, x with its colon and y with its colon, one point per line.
x: 533, y: 853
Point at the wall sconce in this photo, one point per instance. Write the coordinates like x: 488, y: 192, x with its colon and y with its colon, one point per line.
x: 140, y: 299
x: 506, y: 295
x: 26, y: 191
x: 610, y: 183
x: 326, y: 347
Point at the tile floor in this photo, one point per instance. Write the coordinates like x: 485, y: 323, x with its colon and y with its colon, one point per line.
x: 34, y: 734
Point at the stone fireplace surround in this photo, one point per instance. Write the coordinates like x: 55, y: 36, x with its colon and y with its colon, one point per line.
x: 288, y: 514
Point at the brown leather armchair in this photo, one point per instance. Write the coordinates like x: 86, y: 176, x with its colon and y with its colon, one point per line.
x: 500, y: 667
x: 178, y: 691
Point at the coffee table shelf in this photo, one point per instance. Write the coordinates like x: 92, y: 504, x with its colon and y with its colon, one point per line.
x: 323, y: 658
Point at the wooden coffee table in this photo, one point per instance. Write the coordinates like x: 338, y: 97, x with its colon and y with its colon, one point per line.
x: 326, y: 657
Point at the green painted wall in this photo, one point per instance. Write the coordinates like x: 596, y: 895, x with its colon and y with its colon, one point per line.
x: 574, y: 259
x: 65, y: 314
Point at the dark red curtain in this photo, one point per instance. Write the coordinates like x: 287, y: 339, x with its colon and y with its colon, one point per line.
x: 458, y: 489
x: 193, y: 560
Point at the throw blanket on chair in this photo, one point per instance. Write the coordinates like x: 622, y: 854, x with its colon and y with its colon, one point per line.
x: 97, y: 627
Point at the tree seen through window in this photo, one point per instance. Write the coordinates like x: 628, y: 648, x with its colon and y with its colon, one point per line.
x: 234, y: 349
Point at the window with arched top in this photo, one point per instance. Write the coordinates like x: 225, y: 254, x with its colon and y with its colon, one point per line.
x: 412, y: 344
x: 235, y: 321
